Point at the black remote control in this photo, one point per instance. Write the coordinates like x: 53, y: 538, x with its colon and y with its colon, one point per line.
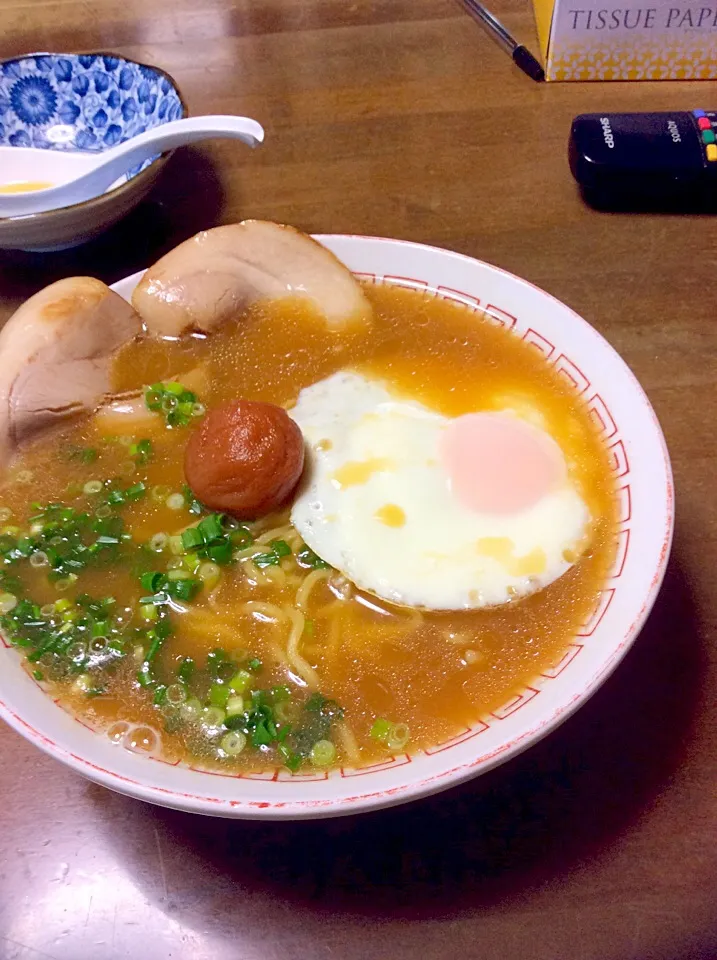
x: 633, y: 160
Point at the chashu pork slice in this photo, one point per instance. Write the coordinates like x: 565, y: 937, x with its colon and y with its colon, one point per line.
x: 55, y: 357
x: 216, y: 274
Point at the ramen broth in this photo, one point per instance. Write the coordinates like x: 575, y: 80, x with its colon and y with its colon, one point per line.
x: 402, y: 678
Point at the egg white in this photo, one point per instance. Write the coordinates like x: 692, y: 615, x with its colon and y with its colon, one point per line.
x: 368, y: 450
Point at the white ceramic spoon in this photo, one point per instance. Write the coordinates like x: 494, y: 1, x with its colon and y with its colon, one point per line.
x: 86, y: 175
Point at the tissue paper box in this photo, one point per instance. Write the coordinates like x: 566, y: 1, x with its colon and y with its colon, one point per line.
x: 603, y: 40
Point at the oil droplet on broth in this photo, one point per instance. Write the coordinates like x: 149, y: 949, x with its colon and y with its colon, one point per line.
x: 117, y: 730
x: 141, y: 740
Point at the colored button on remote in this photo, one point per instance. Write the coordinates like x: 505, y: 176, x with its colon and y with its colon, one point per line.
x: 708, y: 136
x: 698, y: 113
x: 711, y: 151
x: 703, y: 123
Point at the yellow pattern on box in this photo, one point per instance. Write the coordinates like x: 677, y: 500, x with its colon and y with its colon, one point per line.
x: 634, y: 42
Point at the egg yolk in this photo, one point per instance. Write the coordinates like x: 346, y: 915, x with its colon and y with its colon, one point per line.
x: 498, y: 463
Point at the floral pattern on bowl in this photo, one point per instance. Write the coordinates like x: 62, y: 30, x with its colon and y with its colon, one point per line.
x: 62, y: 101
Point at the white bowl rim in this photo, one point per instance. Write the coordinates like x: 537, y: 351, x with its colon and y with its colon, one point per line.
x: 451, y: 776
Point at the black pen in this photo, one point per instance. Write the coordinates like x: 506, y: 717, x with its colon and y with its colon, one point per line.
x: 522, y: 57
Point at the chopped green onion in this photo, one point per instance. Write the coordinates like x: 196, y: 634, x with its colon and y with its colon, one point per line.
x: 190, y: 561
x: 142, y: 450
x: 398, y: 737
x: 83, y: 683
x: 148, y: 611
x: 262, y: 736
x: 233, y: 743
x: 323, y: 753
x: 186, y: 669
x: 160, y: 493
x: 254, y: 664
x: 175, y: 546
x: 174, y: 388
x: 8, y: 602
x: 266, y: 560
x: 176, y: 694
x: 212, y: 716
x: 234, y: 706
x: 191, y: 709
x: 381, y: 729
x: 136, y: 491
x: 153, y: 396
x: 242, y: 537
x: 281, y: 548
x: 173, y: 400
x: 216, y: 659
x: 156, y: 642
x: 83, y: 454
x: 77, y: 652
x: 38, y: 675
x: 394, y: 735
x: 152, y: 581
x: 307, y: 558
x: 158, y: 542
x: 144, y: 675
x: 210, y: 528
x: 183, y: 589
x: 209, y: 574
x: 175, y: 501
x: 192, y: 538
x: 241, y: 681
x: 285, y: 711
x: 195, y: 506
x: 220, y: 553
x: 93, y: 486
x: 219, y: 694
x: 292, y: 761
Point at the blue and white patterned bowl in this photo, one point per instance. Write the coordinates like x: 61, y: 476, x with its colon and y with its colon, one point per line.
x: 85, y: 102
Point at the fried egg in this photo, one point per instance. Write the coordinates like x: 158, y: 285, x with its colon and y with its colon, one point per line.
x: 430, y: 511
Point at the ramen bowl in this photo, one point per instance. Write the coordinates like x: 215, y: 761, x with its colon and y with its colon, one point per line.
x: 639, y: 462
x: 64, y: 102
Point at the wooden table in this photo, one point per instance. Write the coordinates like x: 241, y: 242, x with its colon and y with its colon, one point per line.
x: 399, y: 117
